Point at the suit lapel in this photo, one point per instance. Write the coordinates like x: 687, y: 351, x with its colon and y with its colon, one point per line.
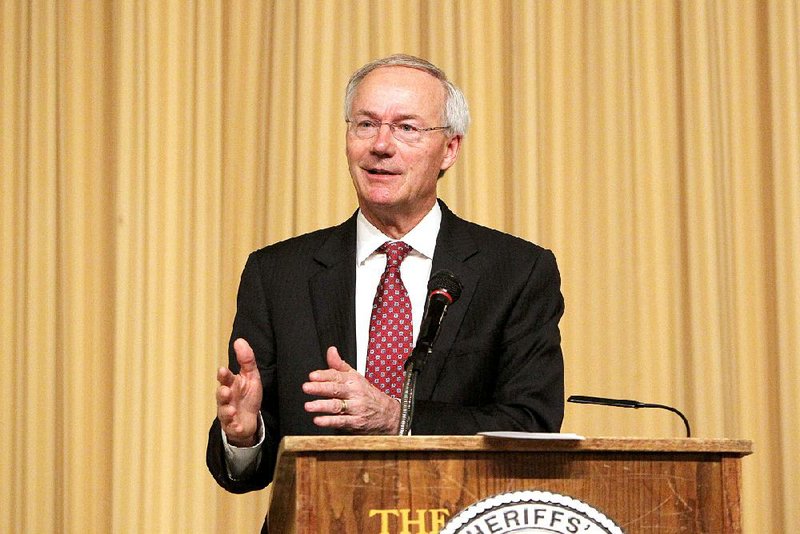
x: 332, y: 292
x: 454, y: 246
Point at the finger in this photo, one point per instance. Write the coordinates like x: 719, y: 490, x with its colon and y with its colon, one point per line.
x: 224, y: 376
x: 324, y: 389
x: 335, y: 361
x: 327, y: 375
x: 223, y: 395
x: 329, y: 406
x: 332, y: 421
x: 225, y: 414
x: 245, y: 356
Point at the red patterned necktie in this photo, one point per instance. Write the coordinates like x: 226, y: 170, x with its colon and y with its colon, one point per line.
x: 391, y: 330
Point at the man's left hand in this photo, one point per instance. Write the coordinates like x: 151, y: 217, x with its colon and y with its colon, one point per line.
x: 351, y: 403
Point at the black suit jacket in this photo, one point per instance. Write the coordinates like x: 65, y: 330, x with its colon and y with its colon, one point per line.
x: 496, y: 365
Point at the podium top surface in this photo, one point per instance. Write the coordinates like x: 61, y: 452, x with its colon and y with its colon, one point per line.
x: 310, y: 444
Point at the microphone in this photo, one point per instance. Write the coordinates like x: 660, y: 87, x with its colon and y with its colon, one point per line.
x: 628, y: 403
x: 444, y: 289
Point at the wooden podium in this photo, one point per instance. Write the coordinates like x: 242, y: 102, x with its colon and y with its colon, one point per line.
x: 381, y: 485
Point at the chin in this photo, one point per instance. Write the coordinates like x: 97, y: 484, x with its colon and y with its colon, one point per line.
x: 381, y: 192
x: 379, y: 201
x: 383, y: 200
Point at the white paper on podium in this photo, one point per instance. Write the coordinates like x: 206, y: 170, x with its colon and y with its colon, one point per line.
x: 556, y: 436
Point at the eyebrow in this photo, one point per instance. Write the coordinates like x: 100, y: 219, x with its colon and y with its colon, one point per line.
x: 371, y: 115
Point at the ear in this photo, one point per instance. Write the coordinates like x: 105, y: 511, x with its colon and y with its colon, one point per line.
x: 451, y: 152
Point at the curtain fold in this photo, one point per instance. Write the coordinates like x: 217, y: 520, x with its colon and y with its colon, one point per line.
x: 147, y: 147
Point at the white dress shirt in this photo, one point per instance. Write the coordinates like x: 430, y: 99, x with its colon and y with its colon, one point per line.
x: 414, y: 271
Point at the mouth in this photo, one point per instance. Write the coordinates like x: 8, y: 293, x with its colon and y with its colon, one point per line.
x: 377, y: 171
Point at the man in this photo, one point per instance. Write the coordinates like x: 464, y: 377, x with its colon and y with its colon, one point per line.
x: 307, y: 306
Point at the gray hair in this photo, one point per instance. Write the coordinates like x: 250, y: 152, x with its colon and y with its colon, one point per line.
x: 456, y: 111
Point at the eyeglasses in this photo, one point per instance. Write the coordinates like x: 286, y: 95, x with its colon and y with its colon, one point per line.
x: 407, y: 133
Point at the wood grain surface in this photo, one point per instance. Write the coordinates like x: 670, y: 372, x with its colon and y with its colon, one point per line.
x: 408, y: 484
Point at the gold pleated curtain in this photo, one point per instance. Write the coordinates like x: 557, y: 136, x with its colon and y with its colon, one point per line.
x: 147, y: 147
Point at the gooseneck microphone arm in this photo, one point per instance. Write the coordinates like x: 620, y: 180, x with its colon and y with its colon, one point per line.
x: 627, y: 403
x: 443, y: 290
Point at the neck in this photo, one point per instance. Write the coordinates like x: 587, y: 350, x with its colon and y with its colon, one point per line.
x: 395, y: 224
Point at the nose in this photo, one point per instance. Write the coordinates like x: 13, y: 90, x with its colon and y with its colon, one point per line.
x: 383, y: 142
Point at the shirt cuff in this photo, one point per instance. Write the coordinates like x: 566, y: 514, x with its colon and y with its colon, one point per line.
x: 243, y: 461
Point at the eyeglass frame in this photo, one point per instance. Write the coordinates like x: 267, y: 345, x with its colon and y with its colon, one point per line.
x: 392, y: 126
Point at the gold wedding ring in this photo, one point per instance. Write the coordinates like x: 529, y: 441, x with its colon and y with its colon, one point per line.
x: 343, y: 408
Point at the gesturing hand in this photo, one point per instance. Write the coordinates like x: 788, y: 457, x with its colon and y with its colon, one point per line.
x: 351, y: 402
x: 239, y: 397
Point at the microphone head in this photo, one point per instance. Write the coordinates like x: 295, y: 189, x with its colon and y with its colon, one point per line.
x: 445, y: 281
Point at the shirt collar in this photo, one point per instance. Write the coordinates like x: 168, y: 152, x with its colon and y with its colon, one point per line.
x: 421, y: 238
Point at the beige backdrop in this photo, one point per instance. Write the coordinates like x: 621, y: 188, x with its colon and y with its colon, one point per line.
x: 147, y: 147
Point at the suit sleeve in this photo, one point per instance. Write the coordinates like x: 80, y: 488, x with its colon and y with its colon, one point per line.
x: 510, y: 374
x: 251, y: 323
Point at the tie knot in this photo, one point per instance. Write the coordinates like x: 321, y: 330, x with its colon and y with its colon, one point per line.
x: 395, y: 251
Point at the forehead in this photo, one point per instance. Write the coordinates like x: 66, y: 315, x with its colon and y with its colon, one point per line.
x: 396, y: 91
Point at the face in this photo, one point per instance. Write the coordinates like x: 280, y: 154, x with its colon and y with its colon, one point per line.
x: 394, y: 179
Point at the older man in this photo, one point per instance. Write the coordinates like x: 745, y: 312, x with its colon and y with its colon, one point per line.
x: 317, y: 349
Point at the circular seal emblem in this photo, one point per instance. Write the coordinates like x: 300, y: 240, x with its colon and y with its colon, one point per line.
x: 530, y: 512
